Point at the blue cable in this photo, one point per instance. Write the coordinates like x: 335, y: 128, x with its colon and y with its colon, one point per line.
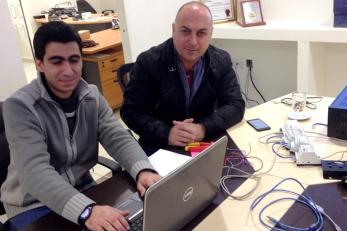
x: 305, y: 200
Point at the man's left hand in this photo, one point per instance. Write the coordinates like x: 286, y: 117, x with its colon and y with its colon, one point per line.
x: 146, y: 179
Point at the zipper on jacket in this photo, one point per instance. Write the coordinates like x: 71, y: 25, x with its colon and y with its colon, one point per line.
x: 71, y: 139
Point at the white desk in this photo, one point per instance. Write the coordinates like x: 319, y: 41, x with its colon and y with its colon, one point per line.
x: 236, y: 215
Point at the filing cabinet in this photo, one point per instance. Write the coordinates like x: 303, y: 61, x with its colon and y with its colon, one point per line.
x: 101, y: 69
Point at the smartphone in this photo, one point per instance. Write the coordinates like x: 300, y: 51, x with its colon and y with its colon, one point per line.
x: 258, y: 125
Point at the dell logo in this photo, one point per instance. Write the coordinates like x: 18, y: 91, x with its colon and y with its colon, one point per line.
x: 188, y: 194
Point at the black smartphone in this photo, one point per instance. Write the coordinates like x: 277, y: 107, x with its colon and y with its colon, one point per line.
x: 258, y: 125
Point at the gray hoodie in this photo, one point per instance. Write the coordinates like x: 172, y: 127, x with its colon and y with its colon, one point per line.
x: 48, y: 166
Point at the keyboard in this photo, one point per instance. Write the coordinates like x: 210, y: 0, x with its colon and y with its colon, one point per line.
x: 136, y: 224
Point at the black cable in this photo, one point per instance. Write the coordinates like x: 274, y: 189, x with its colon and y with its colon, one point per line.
x: 250, y: 75
x: 244, y: 94
x: 248, y: 99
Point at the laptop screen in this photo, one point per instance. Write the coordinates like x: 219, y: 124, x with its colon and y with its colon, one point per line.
x: 177, y: 198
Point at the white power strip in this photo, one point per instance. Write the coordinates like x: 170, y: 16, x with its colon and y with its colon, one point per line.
x: 298, y: 142
x: 292, y: 134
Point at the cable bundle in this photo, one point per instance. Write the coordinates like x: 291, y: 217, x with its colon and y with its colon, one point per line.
x: 306, y: 200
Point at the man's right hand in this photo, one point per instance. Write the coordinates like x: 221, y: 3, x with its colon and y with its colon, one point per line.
x: 107, y: 218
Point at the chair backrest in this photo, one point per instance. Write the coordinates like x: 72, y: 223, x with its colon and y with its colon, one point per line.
x: 4, y: 154
x: 123, y: 75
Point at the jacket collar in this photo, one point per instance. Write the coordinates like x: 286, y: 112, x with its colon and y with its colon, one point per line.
x: 82, y: 88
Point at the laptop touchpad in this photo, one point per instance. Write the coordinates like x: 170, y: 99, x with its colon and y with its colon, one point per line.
x: 133, y: 204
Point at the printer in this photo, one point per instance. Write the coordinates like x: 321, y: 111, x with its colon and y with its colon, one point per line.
x: 337, y: 116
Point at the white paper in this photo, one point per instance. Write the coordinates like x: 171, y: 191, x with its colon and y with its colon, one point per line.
x: 165, y: 161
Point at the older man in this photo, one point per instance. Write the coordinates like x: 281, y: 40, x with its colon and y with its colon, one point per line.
x: 185, y: 89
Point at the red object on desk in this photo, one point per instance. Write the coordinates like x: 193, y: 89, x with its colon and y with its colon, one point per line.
x: 196, y: 147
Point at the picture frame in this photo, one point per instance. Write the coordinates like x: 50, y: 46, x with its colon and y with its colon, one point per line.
x: 249, y: 13
x: 221, y: 10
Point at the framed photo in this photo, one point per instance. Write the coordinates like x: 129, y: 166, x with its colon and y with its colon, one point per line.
x: 249, y: 13
x: 221, y: 10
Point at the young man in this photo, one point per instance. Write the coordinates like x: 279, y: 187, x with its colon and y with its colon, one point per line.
x: 53, y: 126
x: 183, y: 90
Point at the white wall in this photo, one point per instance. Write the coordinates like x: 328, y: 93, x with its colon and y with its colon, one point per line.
x: 298, y: 10
x: 274, y: 66
x: 12, y: 74
x: 145, y: 24
x: 109, y: 5
x: 333, y: 61
x: 96, y: 4
x: 18, y: 22
x: 100, y: 5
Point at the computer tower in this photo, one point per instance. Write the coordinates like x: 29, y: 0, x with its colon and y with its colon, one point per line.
x: 337, y: 116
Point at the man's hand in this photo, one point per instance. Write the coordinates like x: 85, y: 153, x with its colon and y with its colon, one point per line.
x: 146, y: 179
x: 184, y: 132
x: 107, y: 218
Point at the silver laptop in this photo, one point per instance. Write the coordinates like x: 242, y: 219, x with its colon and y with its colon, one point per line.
x: 177, y: 198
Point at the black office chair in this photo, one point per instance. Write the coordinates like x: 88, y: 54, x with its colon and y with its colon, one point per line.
x: 123, y: 75
x: 5, y: 160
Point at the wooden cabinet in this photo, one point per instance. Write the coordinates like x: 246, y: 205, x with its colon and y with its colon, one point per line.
x: 101, y: 69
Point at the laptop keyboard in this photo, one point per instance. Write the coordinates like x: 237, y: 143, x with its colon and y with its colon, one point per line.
x: 136, y: 224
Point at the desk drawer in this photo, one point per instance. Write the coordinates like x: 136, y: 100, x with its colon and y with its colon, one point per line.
x: 113, y: 62
x: 110, y: 74
x: 112, y: 92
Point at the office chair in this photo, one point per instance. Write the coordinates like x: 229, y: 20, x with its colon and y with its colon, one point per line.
x: 5, y: 160
x: 123, y: 75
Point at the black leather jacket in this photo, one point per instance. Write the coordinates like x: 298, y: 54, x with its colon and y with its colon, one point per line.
x: 155, y: 95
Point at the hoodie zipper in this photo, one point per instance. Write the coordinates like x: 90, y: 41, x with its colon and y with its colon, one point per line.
x: 70, y: 158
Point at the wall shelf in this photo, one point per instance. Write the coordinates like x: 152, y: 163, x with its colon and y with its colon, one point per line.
x: 282, y: 31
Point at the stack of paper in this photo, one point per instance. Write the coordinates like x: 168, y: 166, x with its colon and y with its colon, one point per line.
x: 165, y: 161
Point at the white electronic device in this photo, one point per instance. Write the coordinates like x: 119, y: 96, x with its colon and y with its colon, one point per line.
x: 298, y: 142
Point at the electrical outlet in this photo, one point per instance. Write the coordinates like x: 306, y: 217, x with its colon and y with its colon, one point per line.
x: 249, y: 63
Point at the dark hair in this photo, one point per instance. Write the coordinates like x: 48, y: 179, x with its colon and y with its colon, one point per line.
x: 54, y: 32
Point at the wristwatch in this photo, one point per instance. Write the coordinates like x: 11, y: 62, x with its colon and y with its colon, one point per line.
x: 85, y: 214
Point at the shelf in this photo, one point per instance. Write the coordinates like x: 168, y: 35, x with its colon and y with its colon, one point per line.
x: 282, y: 31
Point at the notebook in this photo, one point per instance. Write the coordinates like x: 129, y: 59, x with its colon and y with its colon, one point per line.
x: 177, y: 198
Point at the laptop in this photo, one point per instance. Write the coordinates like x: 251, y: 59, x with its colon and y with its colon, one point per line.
x: 176, y: 199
